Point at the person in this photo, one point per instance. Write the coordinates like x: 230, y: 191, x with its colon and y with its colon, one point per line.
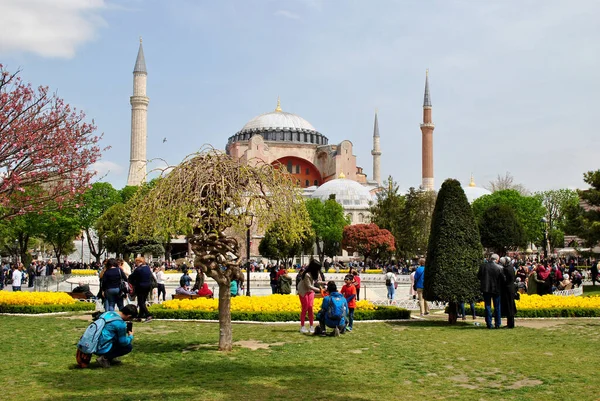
x: 17, y: 277
x: 185, y: 291
x: 390, y: 281
x: 110, y: 284
x: 491, y: 276
x: 31, y: 274
x: 419, y: 285
x: 84, y: 288
x: 533, y: 281
x: 412, y: 290
x: 115, y: 340
x: 285, y: 283
x: 306, y: 293
x: 463, y: 311
x: 273, y: 279
x: 185, y: 279
x: 354, y: 272
x: 204, y: 291
x: 199, y: 279
x: 160, y: 283
x: 124, y: 266
x: 233, y: 288
x: 141, y: 279
x: 349, y: 292
x: 508, y: 307
x: 565, y: 284
x: 594, y: 272
x: 333, y: 312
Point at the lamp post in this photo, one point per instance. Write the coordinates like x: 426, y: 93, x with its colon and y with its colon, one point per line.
x: 249, y: 219
x: 544, y: 221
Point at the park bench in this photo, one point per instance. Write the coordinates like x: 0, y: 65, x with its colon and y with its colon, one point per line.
x: 184, y: 296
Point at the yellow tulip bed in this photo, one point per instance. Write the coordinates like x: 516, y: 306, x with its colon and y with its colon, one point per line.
x: 554, y: 306
x: 84, y: 272
x: 268, y: 308
x: 40, y: 302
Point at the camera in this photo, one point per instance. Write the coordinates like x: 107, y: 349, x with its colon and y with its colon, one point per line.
x: 129, y: 326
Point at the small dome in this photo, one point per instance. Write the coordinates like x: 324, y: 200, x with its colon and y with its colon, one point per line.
x: 278, y: 119
x: 473, y: 192
x: 348, y: 193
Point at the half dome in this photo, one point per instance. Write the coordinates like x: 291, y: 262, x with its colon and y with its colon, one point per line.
x: 474, y: 192
x: 348, y: 193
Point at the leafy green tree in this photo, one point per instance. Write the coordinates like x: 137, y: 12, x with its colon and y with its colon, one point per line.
x: 415, y: 222
x: 127, y: 192
x: 113, y: 226
x: 93, y: 204
x: 328, y: 222
x: 528, y: 210
x: 583, y: 219
x: 454, y: 250
x: 387, y: 212
x: 16, y: 234
x: 280, y: 244
x: 500, y: 230
x: 557, y: 202
x: 60, y: 228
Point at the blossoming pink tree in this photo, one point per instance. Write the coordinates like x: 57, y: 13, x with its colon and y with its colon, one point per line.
x: 46, y: 147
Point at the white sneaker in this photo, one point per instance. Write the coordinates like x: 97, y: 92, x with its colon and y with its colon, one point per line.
x: 311, y: 330
x: 303, y: 329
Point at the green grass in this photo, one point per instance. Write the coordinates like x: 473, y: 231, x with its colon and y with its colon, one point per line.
x: 415, y: 360
x: 589, y: 290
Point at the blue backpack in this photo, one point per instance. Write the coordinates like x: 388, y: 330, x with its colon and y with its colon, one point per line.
x: 337, y: 308
x: 88, y: 343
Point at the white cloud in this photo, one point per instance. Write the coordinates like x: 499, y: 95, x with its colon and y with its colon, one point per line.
x: 106, y: 167
x: 48, y: 28
x: 287, y: 14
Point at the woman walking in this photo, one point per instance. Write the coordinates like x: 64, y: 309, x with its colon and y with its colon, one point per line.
x: 111, y: 285
x: 141, y: 279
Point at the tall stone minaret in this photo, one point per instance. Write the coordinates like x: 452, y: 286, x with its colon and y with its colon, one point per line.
x: 139, y: 110
x: 427, y: 128
x: 376, y: 152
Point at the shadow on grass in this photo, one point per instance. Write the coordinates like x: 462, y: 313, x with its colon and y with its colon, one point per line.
x: 467, y: 325
x: 196, y: 379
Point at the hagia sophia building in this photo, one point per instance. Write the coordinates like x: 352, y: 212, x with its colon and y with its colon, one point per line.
x: 280, y: 137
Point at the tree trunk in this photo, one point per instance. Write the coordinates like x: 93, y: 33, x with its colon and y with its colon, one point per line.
x: 452, y: 312
x: 225, y: 330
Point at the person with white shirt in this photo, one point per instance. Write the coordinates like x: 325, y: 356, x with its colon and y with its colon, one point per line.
x: 17, y: 277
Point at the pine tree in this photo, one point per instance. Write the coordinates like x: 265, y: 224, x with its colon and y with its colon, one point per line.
x: 454, y: 251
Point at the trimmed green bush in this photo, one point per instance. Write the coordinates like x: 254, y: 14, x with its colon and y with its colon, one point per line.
x: 79, y: 306
x: 454, y: 251
x: 381, y: 313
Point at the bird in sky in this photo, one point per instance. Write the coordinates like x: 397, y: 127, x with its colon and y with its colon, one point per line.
x: 164, y: 140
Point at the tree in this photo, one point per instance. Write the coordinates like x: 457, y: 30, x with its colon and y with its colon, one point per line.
x: 368, y: 240
x: 328, y: 222
x: 387, y: 211
x: 415, y: 222
x: 500, y: 229
x: 583, y: 219
x: 506, y: 182
x: 113, y: 226
x: 210, y: 197
x: 454, y: 251
x: 93, y: 204
x: 17, y: 233
x: 280, y: 244
x: 528, y: 209
x: 557, y: 202
x: 46, y: 148
x: 60, y: 227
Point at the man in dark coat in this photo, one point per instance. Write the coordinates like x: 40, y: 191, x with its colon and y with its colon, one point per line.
x: 507, y: 293
x: 491, y: 277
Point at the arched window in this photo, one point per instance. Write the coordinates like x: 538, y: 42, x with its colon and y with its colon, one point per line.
x: 316, y: 183
x: 361, y: 218
x: 307, y: 183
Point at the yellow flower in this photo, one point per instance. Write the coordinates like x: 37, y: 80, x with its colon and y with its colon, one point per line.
x: 35, y: 298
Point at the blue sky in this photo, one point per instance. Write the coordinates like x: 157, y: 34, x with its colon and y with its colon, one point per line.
x: 514, y: 84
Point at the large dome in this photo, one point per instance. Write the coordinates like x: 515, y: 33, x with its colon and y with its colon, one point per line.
x: 473, y: 192
x: 348, y: 193
x: 278, y: 119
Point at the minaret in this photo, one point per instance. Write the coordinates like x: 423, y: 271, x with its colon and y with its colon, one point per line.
x: 376, y: 152
x: 427, y: 128
x: 139, y: 109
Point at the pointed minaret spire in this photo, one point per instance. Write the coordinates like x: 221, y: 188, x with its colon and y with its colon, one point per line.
x: 140, y: 61
x: 139, y: 124
x: 278, y: 108
x: 376, y: 152
x: 427, y: 97
x: 427, y: 128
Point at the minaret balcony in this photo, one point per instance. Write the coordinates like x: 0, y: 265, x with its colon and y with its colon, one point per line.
x: 375, y: 153
x: 427, y: 125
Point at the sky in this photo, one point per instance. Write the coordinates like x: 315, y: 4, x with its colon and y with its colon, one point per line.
x: 514, y: 83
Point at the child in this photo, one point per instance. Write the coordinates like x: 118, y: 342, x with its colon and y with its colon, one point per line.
x: 349, y: 292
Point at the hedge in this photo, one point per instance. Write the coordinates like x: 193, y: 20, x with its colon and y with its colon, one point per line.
x: 79, y: 306
x: 381, y: 313
x: 548, y: 312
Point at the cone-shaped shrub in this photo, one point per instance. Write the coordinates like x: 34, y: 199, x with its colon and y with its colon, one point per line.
x: 454, y: 251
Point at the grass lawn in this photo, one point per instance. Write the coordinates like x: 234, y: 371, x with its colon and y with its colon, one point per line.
x: 589, y: 290
x: 552, y: 359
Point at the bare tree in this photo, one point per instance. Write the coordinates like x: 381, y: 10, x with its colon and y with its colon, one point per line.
x: 212, y: 198
x: 507, y: 182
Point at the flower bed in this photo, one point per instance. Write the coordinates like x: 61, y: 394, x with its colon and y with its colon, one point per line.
x: 40, y: 302
x: 84, y: 272
x: 270, y: 308
x: 553, y: 306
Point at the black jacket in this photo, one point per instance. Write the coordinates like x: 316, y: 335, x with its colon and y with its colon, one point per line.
x: 491, y: 277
